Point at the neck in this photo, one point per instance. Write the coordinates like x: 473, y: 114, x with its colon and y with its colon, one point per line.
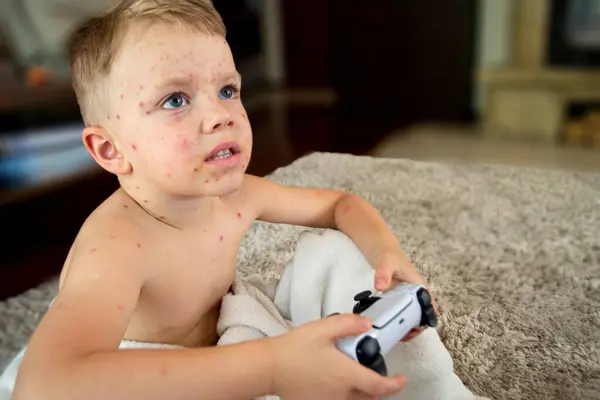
x: 179, y: 212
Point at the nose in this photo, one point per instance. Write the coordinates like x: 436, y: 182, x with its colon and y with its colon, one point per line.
x: 215, y: 119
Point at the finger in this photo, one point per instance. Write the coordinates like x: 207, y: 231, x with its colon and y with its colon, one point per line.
x: 371, y: 383
x: 341, y: 325
x: 383, y: 277
x: 412, y: 334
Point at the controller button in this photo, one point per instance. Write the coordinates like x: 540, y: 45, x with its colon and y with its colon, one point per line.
x: 362, y: 295
x: 367, y: 350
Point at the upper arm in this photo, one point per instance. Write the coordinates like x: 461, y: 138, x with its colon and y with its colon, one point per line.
x: 92, y: 309
x: 273, y: 202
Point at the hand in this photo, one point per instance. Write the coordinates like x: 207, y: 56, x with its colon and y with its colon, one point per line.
x: 395, y: 267
x: 307, y: 365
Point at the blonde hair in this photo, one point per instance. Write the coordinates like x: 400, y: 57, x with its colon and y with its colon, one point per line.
x: 94, y: 46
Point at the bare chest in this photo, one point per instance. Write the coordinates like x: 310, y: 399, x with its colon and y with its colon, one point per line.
x: 190, y: 276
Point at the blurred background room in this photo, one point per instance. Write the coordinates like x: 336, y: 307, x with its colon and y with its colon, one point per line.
x: 489, y: 81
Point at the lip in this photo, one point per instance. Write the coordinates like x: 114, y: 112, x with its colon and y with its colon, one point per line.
x: 235, y: 148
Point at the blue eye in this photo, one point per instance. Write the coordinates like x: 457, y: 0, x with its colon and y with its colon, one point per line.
x: 228, y: 92
x: 175, y: 101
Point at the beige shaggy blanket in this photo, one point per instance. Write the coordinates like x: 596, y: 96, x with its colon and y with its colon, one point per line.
x: 512, y: 256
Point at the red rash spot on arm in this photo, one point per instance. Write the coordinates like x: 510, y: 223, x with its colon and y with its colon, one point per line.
x: 118, y: 116
x: 141, y: 87
x: 133, y: 146
x: 206, y: 181
x: 221, y: 238
x: 93, y: 250
x: 139, y: 246
x: 195, y: 169
x: 239, y: 215
x: 121, y: 95
x: 346, y: 209
x: 141, y: 104
x: 125, y: 205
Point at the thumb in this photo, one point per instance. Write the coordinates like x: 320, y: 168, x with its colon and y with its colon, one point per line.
x: 383, y: 276
x: 340, y: 325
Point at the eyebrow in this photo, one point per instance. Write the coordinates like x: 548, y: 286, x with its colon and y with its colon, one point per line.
x: 183, y: 80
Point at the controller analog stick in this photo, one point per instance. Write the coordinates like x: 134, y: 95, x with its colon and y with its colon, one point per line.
x: 362, y: 295
x: 424, y: 298
x: 429, y: 317
x: 367, y: 350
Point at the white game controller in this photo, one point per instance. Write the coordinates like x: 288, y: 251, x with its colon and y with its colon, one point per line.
x: 394, y: 314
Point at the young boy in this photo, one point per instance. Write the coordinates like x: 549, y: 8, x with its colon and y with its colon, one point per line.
x: 160, y: 96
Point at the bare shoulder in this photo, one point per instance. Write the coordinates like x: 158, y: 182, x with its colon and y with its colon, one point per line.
x: 99, y: 289
x: 280, y: 203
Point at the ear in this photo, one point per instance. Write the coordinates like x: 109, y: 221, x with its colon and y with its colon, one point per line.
x: 104, y: 149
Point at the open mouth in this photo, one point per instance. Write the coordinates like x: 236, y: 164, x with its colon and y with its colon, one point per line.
x: 224, y: 152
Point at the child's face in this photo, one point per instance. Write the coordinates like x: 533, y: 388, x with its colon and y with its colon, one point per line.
x: 177, y: 111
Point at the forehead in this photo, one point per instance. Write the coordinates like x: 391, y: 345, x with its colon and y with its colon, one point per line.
x: 163, y: 48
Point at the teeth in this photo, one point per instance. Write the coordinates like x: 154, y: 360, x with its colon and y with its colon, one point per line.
x: 221, y: 154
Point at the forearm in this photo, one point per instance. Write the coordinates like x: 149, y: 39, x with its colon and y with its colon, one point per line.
x: 240, y: 371
x: 361, y: 221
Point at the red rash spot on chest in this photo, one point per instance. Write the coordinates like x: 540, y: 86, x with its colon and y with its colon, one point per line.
x: 133, y: 146
x: 141, y: 104
x: 221, y: 238
x: 239, y: 215
x: 118, y: 116
x: 139, y: 246
x: 93, y: 250
x: 125, y: 206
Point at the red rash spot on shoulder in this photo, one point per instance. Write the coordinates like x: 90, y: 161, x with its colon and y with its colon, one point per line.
x: 163, y: 371
x: 125, y: 205
x: 93, y: 250
x: 221, y: 238
x: 141, y: 104
x: 147, y: 112
x: 112, y: 237
x: 120, y: 307
x: 139, y: 246
x: 121, y: 95
x: 195, y: 169
x: 133, y: 146
x: 206, y: 181
x: 141, y: 87
x: 239, y: 215
x: 146, y: 201
x: 118, y: 116
x: 346, y: 209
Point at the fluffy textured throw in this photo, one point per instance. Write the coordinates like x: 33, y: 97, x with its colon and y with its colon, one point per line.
x: 511, y: 254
